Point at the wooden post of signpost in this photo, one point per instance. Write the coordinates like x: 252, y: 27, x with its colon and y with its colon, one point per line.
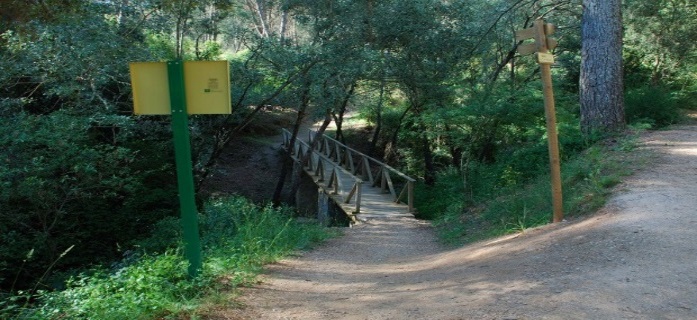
x: 541, y: 47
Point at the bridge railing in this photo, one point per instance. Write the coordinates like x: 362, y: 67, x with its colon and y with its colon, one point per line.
x: 326, y: 172
x: 369, y: 168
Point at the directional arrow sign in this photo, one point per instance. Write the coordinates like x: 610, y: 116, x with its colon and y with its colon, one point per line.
x: 525, y: 34
x: 526, y: 49
x: 531, y: 33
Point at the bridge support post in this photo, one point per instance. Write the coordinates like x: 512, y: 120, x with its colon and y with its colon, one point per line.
x: 323, y: 208
x: 410, y: 196
x: 329, y: 213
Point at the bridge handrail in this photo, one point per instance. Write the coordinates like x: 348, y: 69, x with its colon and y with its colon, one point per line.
x: 383, y: 171
x: 378, y: 162
x: 319, y: 171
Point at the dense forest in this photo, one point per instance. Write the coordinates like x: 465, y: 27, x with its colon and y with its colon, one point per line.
x: 446, y: 95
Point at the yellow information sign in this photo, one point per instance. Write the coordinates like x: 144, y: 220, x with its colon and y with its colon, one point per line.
x: 150, y: 88
x: 547, y: 58
x: 207, y: 86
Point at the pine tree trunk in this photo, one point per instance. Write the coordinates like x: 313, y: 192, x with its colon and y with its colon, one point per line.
x: 601, y: 81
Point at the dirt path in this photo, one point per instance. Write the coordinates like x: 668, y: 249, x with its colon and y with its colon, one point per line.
x: 635, y: 259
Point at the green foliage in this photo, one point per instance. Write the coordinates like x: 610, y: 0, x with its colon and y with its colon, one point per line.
x: 211, y: 51
x: 153, y: 285
x: 447, y: 198
x: 502, y: 182
x: 77, y: 171
x: 661, y: 39
x: 655, y: 106
x: 441, y: 79
x: 160, y: 45
x: 61, y: 188
x: 586, y: 182
x: 238, y: 238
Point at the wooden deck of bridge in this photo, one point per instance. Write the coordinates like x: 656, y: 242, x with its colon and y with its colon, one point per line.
x: 362, y: 186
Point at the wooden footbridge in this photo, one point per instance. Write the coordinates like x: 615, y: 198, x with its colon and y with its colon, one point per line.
x: 362, y: 186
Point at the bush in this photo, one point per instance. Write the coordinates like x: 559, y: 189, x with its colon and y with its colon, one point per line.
x: 62, y: 189
x: 447, y: 195
x: 75, y: 168
x: 653, y: 105
x: 587, y: 179
x: 238, y: 237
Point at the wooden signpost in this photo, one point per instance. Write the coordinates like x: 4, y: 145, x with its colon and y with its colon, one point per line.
x: 179, y: 88
x: 539, y: 32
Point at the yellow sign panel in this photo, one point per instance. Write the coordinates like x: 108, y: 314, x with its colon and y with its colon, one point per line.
x: 150, y: 88
x: 207, y: 86
x: 545, y: 58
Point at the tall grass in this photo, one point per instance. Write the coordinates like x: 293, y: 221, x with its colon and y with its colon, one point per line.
x: 151, y: 283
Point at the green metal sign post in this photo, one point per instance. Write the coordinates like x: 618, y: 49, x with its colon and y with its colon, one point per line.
x: 179, y: 88
x: 185, y: 178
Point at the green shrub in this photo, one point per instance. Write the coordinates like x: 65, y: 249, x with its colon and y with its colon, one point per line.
x: 497, y: 209
x: 63, y: 188
x: 653, y: 105
x: 238, y: 237
x: 447, y: 195
x: 155, y: 285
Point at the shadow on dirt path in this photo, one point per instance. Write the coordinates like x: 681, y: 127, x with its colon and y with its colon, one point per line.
x: 635, y: 259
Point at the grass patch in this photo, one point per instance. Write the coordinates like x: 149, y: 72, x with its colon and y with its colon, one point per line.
x: 587, y: 179
x: 238, y: 237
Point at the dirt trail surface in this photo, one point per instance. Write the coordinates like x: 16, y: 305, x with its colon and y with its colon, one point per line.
x: 635, y: 259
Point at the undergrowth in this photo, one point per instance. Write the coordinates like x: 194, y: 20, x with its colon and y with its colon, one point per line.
x: 151, y: 282
x: 481, y: 201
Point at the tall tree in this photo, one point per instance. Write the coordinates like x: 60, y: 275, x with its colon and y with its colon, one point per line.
x: 661, y: 39
x: 601, y: 81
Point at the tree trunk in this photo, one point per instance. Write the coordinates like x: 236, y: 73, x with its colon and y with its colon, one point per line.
x: 284, y: 23
x: 390, y: 147
x: 429, y: 167
x: 455, y: 150
x: 119, y: 17
x: 601, y: 82
x: 298, y: 174
x: 288, y: 162
x: 378, y: 118
x: 339, y: 118
x: 368, y: 34
x: 263, y: 24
